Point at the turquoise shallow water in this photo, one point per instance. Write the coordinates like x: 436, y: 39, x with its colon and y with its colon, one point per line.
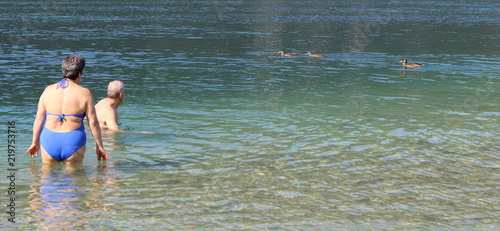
x: 245, y: 139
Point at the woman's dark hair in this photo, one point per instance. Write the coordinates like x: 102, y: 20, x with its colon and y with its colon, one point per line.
x: 72, y: 65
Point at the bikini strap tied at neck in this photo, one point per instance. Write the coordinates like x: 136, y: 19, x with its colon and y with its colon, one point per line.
x: 64, y: 83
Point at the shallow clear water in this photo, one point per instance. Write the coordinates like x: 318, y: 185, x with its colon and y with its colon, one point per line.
x: 245, y: 139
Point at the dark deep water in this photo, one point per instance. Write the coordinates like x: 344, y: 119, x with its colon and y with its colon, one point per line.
x: 245, y: 139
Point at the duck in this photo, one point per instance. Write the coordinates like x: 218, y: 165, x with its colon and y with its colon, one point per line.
x: 410, y: 65
x: 282, y: 53
x: 310, y: 54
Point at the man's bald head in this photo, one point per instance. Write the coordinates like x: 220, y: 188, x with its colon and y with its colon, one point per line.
x: 115, y: 88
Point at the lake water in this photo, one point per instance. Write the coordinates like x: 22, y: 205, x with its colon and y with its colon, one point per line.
x: 246, y: 139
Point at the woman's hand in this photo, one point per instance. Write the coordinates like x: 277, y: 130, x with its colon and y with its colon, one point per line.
x: 33, y: 150
x: 101, y: 153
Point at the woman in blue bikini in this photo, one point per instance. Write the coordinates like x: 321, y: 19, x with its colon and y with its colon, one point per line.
x: 58, y: 129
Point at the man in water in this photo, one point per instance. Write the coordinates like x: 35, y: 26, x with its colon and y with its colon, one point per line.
x: 107, y: 108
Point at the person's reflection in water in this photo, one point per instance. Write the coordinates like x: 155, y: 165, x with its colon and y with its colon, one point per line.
x: 114, y: 141
x: 61, y: 195
x: 55, y: 195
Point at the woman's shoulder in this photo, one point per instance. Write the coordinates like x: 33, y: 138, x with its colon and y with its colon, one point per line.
x: 49, y: 88
x: 81, y: 89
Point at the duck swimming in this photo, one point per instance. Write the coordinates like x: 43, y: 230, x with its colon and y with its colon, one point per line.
x: 310, y: 54
x: 282, y: 53
x: 410, y: 65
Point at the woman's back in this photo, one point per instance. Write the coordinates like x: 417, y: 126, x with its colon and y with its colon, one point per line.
x: 69, y: 101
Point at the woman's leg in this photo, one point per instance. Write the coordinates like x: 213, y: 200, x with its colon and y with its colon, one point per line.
x: 76, y: 157
x: 46, y: 158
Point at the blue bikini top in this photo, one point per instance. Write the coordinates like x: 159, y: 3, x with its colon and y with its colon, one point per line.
x: 61, y: 116
x: 64, y: 83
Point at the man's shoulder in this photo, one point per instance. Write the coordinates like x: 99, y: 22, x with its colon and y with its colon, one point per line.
x: 103, y: 104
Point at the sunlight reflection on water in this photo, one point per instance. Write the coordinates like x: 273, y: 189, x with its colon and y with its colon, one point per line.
x: 245, y: 139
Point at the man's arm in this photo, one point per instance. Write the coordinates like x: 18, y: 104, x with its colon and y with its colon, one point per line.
x: 112, y: 120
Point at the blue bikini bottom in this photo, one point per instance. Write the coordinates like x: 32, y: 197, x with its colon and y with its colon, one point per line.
x: 61, y: 145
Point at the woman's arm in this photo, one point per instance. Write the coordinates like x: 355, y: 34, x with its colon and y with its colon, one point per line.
x: 37, y: 128
x: 95, y: 128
